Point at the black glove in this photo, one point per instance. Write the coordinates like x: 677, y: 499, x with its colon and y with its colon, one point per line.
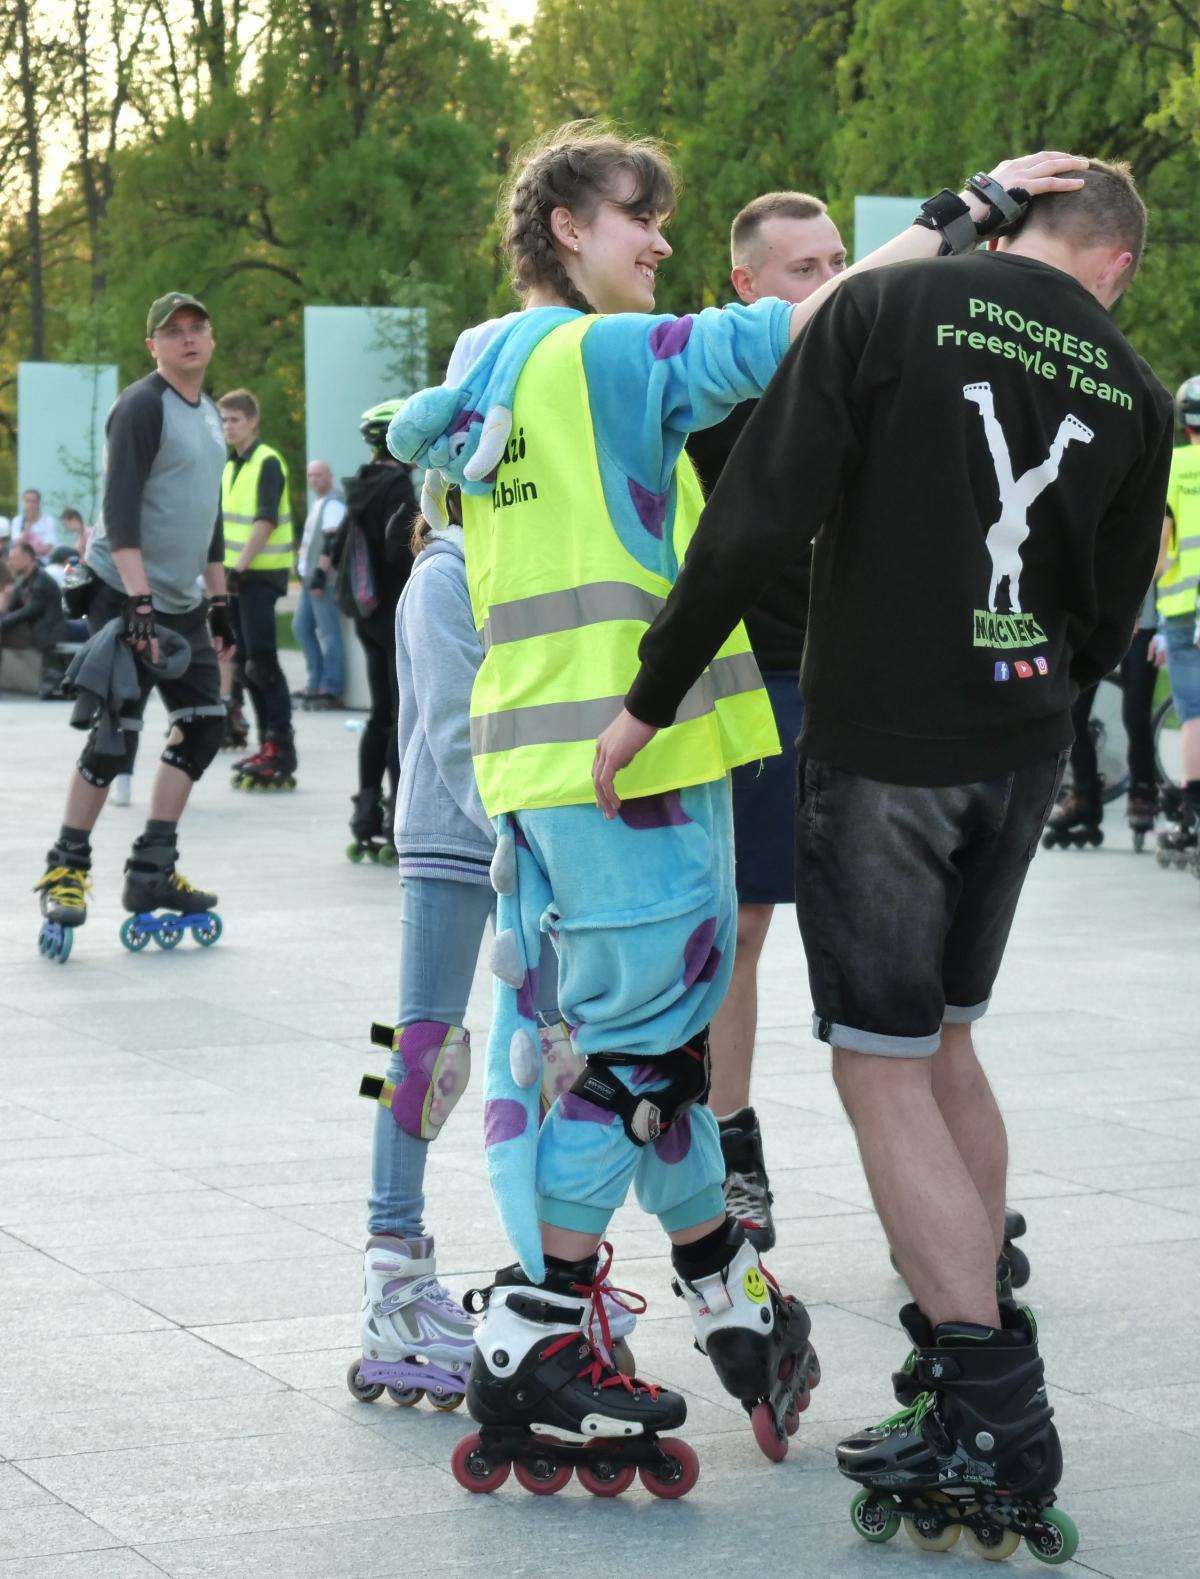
x: 219, y: 622
x: 316, y: 582
x: 139, y: 621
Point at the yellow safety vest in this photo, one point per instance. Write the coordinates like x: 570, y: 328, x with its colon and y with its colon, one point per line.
x: 1178, y: 584
x: 561, y: 605
x: 239, y: 507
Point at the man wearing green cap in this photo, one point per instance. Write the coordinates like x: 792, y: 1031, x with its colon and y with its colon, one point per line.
x: 158, y: 536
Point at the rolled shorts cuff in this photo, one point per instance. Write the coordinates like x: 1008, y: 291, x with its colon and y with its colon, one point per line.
x: 856, y: 1041
x: 701, y: 1208
x: 957, y: 1014
x: 575, y: 1215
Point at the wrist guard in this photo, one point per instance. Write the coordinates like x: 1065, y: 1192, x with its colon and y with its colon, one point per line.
x: 1006, y: 207
x: 139, y: 620
x: 219, y: 623
x: 946, y: 213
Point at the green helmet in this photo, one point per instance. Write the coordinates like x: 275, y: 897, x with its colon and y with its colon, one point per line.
x: 1187, y: 403
x: 373, y: 424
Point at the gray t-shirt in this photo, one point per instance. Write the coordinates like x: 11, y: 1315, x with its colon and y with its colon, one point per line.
x: 163, y: 459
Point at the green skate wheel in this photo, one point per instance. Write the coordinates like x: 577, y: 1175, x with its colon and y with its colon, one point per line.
x: 389, y: 856
x: 1057, y: 1539
x: 875, y: 1520
x: 132, y: 936
x: 169, y: 935
x: 208, y: 934
x: 355, y: 852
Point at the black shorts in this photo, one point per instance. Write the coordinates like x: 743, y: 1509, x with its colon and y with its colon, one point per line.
x: 198, y: 688
x: 764, y: 805
x: 906, y: 895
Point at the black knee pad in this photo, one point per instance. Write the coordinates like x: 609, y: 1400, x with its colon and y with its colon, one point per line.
x: 100, y: 768
x: 262, y: 669
x: 200, y: 736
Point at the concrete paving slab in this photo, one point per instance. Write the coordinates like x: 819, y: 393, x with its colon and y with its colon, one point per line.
x: 183, y: 1170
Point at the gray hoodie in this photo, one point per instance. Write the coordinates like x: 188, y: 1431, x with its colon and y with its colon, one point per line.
x: 441, y: 827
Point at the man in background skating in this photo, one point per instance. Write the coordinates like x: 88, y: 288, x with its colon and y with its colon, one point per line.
x: 257, y: 515
x: 158, y: 533
x: 1177, y: 606
x: 783, y: 244
x: 985, y: 459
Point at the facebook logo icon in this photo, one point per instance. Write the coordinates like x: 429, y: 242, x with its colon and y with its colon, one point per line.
x: 1003, y: 672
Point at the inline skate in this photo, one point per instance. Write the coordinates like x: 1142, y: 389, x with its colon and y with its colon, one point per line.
x: 1012, y: 1267
x: 63, y: 888
x: 272, y: 768
x: 417, y: 1340
x: 1178, y: 846
x: 370, y: 818
x: 975, y: 1451
x: 1075, y: 821
x: 548, y: 1402
x: 757, y: 1338
x: 152, y: 883
x: 748, y: 1195
x: 1141, y: 809
x: 237, y: 731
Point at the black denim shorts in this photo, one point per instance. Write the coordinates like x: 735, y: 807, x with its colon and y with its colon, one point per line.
x: 906, y: 895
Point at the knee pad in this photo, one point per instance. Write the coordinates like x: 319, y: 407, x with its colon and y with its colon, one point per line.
x: 194, y: 740
x: 437, y: 1067
x: 561, y: 1067
x: 646, y: 1117
x: 99, y: 767
x: 262, y: 669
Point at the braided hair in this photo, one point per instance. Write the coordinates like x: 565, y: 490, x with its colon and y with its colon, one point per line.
x: 576, y: 168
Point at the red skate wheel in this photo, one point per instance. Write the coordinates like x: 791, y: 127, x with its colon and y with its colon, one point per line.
x: 605, y: 1477
x: 679, y: 1478
x: 472, y: 1467
x: 771, y: 1440
x: 543, y: 1477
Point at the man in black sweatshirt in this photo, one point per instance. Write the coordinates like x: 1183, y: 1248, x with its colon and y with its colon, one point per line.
x: 982, y: 459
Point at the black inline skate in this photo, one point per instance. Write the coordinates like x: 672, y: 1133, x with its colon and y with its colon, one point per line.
x: 975, y: 1451
x: 1015, y: 1227
x: 152, y: 883
x: 1141, y: 808
x: 1075, y: 821
x: 371, y: 825
x: 748, y: 1195
x: 756, y: 1336
x: 548, y: 1402
x: 271, y: 768
x: 237, y: 731
x: 63, y: 888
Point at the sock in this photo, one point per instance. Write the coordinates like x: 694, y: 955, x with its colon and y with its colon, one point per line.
x: 160, y: 831
x: 711, y: 1254
x: 77, y: 840
x: 578, y: 1271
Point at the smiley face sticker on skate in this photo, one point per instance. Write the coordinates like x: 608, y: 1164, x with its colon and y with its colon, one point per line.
x: 755, y: 1285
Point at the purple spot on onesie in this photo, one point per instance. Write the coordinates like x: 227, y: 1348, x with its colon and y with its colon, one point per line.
x: 654, y: 811
x: 518, y: 833
x: 503, y: 1119
x: 643, y: 1074
x: 582, y: 1112
x: 464, y: 420
x: 651, y: 507
x: 669, y: 339
x: 527, y: 994
x: 700, y: 959
x: 674, y: 1146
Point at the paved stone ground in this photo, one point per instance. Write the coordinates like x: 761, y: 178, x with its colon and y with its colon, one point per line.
x: 183, y: 1165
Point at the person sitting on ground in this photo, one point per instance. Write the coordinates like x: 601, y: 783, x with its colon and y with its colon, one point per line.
x: 34, y: 617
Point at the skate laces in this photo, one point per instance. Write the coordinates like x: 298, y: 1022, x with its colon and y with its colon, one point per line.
x: 64, y: 882
x: 181, y: 885
x: 746, y: 1199
x: 598, y: 1291
x: 909, y: 1418
x: 599, y: 1371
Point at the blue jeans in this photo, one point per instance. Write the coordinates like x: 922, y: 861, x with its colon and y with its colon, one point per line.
x: 318, y: 629
x: 441, y: 928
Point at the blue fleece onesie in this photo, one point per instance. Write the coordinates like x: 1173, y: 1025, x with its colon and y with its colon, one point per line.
x: 642, y: 910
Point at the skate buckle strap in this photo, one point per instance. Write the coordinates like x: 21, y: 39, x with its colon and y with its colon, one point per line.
x: 541, y: 1310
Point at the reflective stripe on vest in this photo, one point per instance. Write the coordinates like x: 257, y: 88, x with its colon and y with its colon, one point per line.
x: 561, y: 605
x: 1178, y: 584
x: 239, y: 504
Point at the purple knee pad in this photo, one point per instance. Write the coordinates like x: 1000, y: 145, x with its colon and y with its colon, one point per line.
x: 561, y: 1064
x: 437, y: 1067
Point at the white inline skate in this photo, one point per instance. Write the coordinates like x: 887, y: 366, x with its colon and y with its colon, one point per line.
x: 417, y: 1340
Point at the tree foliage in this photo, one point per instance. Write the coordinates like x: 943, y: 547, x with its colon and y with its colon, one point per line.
x: 271, y: 153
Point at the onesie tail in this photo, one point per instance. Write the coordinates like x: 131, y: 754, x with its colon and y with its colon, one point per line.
x: 513, y: 1064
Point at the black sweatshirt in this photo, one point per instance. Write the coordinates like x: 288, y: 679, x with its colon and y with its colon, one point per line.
x: 380, y: 499
x: 955, y: 611
x: 776, y: 624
